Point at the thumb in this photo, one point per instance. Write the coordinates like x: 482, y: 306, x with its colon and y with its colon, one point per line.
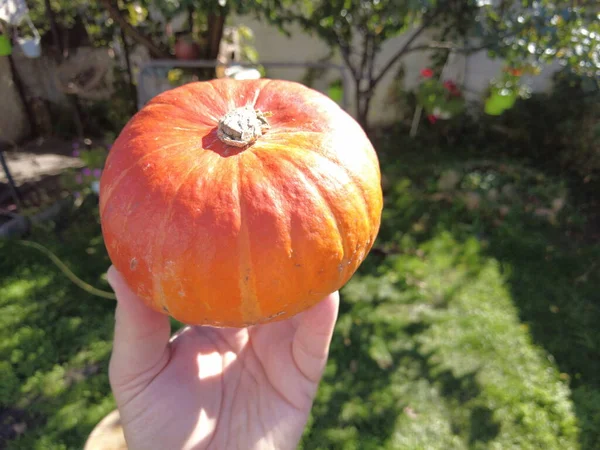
x: 315, y: 326
x: 141, y: 338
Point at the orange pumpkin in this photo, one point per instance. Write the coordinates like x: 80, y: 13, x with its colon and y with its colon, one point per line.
x: 231, y: 203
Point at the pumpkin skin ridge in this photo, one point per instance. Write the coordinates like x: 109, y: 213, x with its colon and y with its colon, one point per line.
x: 217, y: 95
x: 215, y: 175
x: 313, y: 105
x: 115, y: 183
x: 158, y: 289
x: 275, y: 219
x: 347, y: 263
x: 318, y: 199
x: 349, y: 257
x: 185, y: 107
x: 318, y: 195
x: 105, y: 202
x: 352, y: 177
x: 355, y: 235
x: 360, y: 207
x: 152, y: 105
x: 264, y: 89
x: 231, y: 87
x: 373, y: 211
x: 249, y: 307
x: 291, y: 130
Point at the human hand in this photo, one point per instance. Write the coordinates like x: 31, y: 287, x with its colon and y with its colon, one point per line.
x: 215, y: 388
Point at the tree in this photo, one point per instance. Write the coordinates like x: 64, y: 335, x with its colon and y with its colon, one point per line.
x: 206, y: 21
x: 119, y: 18
x: 524, y: 32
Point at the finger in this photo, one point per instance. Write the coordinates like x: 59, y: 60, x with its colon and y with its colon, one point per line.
x: 141, y: 337
x: 310, y: 347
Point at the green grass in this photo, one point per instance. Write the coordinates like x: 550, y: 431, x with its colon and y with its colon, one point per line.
x: 55, y: 341
x: 472, y: 326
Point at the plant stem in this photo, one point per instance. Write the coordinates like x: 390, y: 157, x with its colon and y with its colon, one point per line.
x: 69, y: 274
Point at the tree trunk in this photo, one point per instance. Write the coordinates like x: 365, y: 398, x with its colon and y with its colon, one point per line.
x: 55, y: 35
x: 216, y: 26
x: 16, y: 79
x: 363, y: 103
x: 190, y: 19
x: 132, y: 88
x: 363, y: 113
x: 138, y: 37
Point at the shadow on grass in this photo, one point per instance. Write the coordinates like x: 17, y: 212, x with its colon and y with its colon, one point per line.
x: 557, y: 293
x: 56, y: 339
x: 553, y: 280
x: 359, y: 406
x: 376, y: 360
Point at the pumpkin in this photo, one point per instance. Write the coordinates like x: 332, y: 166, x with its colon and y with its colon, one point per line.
x: 236, y: 202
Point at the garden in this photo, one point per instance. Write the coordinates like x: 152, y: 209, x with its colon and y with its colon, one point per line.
x: 472, y: 323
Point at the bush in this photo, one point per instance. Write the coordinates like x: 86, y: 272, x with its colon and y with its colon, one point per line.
x: 558, y: 131
x: 561, y: 127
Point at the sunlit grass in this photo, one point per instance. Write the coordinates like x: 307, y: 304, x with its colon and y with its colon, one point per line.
x: 472, y: 325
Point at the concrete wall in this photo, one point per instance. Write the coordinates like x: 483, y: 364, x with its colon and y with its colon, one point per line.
x: 475, y: 71
x: 13, y: 120
x: 39, y: 78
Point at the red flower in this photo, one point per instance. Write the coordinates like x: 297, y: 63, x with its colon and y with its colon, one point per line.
x: 452, y: 88
x: 426, y: 73
x: 432, y: 118
x: 450, y: 85
x: 514, y: 71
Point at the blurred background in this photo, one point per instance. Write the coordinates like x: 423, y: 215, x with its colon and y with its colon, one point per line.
x: 473, y: 324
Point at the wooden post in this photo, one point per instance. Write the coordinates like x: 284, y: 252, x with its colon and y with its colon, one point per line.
x: 21, y: 90
x: 74, y: 103
x: 129, y: 71
x: 11, y: 182
x: 54, y: 29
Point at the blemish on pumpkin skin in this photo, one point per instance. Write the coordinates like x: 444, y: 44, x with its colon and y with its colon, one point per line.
x: 165, y: 309
x: 272, y: 316
x: 133, y: 263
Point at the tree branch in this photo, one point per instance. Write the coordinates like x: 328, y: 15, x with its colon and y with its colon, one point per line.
x: 461, y: 49
x: 365, y: 54
x: 446, y: 46
x: 405, y: 48
x: 345, y: 52
x: 371, y: 61
x: 138, y: 37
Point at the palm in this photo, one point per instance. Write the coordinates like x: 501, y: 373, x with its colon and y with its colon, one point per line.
x: 226, y: 388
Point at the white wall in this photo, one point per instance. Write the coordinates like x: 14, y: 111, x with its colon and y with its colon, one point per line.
x: 475, y: 70
x: 272, y: 45
x: 13, y: 120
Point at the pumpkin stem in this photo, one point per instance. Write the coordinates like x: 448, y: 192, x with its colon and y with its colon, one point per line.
x: 242, y: 126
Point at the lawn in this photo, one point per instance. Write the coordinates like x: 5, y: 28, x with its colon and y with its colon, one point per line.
x: 473, y: 324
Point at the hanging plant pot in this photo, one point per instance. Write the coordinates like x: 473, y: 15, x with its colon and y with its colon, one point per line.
x: 5, y: 46
x: 500, y: 101
x: 31, y: 46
